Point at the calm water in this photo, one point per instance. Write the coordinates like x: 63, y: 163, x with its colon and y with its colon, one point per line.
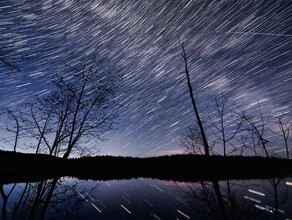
x: 69, y: 198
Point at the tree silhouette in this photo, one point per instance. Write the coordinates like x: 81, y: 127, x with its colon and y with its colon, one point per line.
x: 14, y: 127
x: 80, y: 107
x: 198, y: 119
x: 233, y: 128
x: 226, y: 124
x: 284, y: 127
x: 257, y: 126
x: 191, y: 140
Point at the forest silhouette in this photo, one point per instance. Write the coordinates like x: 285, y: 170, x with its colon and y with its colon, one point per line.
x: 20, y: 167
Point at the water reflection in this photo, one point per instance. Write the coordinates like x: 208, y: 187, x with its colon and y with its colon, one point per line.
x: 252, y: 199
x: 48, y: 199
x: 69, y: 198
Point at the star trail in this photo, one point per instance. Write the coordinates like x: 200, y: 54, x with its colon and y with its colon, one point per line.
x: 239, y: 47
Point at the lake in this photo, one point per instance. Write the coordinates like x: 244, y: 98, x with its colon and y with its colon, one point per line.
x: 145, y: 198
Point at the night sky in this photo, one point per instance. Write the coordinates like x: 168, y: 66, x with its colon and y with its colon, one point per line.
x: 239, y: 47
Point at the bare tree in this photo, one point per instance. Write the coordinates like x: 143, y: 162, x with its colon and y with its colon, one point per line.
x: 257, y: 126
x: 13, y: 127
x: 191, y: 140
x: 247, y: 143
x: 80, y: 107
x: 198, y: 119
x: 226, y: 124
x: 285, y: 127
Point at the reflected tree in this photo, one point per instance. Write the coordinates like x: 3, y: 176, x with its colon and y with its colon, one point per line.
x: 80, y: 107
x: 5, y: 196
x: 279, y: 195
x: 48, y: 199
x: 215, y: 200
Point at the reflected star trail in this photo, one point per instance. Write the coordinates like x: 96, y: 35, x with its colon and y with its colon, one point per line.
x: 241, y: 47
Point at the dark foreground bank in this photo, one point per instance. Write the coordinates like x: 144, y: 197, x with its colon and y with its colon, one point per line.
x: 19, y: 167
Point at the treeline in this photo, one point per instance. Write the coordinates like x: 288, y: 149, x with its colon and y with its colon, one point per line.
x: 187, y: 167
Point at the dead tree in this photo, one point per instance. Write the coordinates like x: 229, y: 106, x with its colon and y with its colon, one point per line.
x: 191, y: 140
x: 13, y: 126
x: 256, y: 126
x: 284, y: 126
x: 80, y: 107
x: 225, y: 123
x: 198, y: 118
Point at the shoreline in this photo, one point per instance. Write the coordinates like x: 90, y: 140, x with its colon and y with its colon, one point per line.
x: 19, y: 167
